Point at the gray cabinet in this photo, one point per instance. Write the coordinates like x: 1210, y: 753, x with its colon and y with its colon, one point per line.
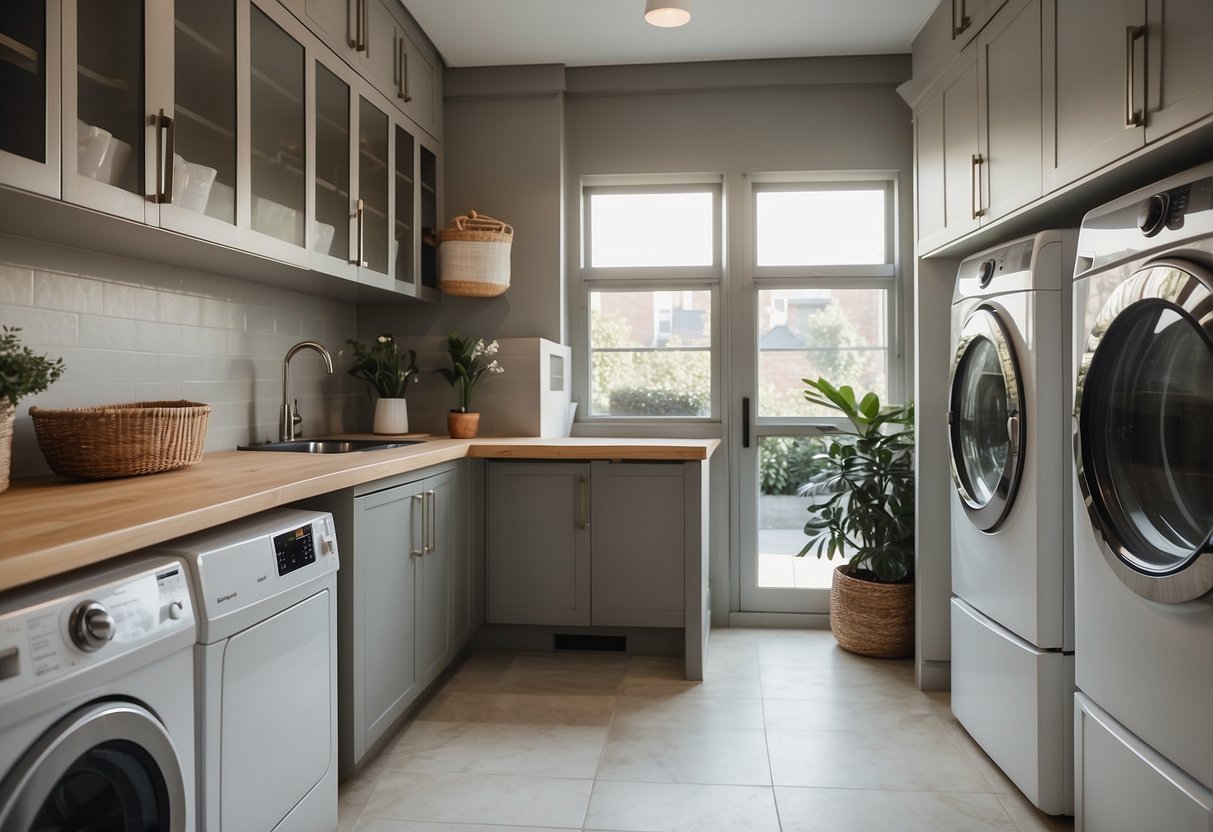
x: 586, y: 544
x: 405, y: 605
x: 29, y: 85
x: 947, y: 155
x: 1120, y: 75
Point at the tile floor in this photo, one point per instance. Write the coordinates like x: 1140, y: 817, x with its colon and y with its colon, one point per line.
x: 787, y: 732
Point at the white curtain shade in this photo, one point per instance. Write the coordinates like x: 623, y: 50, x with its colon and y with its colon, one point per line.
x: 667, y: 13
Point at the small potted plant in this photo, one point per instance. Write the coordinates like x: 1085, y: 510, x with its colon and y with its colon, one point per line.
x: 863, y: 510
x: 22, y: 373
x: 470, y: 361
x: 388, y: 370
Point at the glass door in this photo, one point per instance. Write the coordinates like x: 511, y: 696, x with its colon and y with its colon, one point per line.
x: 429, y: 219
x: 334, y: 194
x: 29, y: 94
x: 107, y: 125
x: 405, y: 221
x: 374, y: 174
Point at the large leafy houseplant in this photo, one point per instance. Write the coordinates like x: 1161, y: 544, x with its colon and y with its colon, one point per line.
x: 863, y: 504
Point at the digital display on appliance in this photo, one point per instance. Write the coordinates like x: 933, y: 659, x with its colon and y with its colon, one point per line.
x: 294, y: 549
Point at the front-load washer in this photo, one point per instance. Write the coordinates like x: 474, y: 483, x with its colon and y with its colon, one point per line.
x: 1143, y: 500
x: 97, y: 700
x: 267, y: 672
x: 1012, y: 568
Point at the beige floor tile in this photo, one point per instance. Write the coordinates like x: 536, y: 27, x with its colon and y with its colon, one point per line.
x: 715, y: 683
x: 533, y: 709
x: 840, y: 714
x: 998, y: 781
x: 1027, y: 818
x: 857, y: 683
x: 689, y: 711
x: 656, y: 667
x: 651, y: 807
x: 479, y: 798
x: 905, y: 761
x: 863, y: 810
x: 347, y: 817
x: 421, y: 826
x: 491, y: 748
x: 727, y: 756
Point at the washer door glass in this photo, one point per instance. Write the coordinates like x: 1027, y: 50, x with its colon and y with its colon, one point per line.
x: 985, y: 430
x: 108, y: 766
x: 1145, y: 415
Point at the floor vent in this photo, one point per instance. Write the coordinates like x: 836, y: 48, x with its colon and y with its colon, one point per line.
x: 567, y: 641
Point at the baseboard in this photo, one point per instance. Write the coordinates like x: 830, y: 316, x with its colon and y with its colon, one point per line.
x: 640, y: 641
x: 781, y: 620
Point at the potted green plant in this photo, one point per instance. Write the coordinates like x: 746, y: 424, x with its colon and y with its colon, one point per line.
x: 388, y: 370
x: 863, y: 509
x: 22, y: 373
x: 470, y: 361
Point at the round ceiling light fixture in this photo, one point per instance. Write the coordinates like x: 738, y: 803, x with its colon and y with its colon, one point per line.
x: 667, y: 13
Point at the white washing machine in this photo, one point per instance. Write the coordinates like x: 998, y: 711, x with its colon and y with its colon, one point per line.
x: 97, y: 700
x: 1143, y: 495
x: 267, y: 672
x: 1012, y: 568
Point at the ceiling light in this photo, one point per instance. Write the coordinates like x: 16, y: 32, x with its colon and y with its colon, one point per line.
x: 667, y: 13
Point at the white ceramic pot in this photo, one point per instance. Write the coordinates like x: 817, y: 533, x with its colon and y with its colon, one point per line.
x: 391, y: 416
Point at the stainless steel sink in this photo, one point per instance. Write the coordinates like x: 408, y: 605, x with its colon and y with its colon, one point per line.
x: 331, y: 446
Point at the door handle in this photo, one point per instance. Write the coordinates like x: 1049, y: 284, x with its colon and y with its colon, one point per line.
x: 417, y: 498
x: 352, y: 20
x: 359, y: 214
x: 745, y: 423
x: 402, y: 91
x: 432, y: 524
x: 1013, y: 433
x: 960, y: 22
x: 583, y: 501
x: 975, y: 194
x: 1132, y: 33
x: 166, y: 130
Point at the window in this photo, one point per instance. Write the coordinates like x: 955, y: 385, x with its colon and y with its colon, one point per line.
x: 826, y: 289
x: 650, y: 280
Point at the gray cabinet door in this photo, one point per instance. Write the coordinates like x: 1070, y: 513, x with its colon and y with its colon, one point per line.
x: 29, y: 48
x: 441, y: 567
x: 1009, y: 100
x: 1093, y: 85
x: 538, y: 546
x: 949, y: 155
x: 1180, y: 74
x: 387, y: 533
x: 638, y: 544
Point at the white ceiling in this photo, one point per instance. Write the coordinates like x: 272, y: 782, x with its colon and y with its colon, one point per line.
x: 603, y: 32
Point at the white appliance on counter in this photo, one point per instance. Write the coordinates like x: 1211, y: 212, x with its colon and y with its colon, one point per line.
x: 97, y: 700
x: 267, y: 672
x: 1012, y: 565
x: 1143, y: 509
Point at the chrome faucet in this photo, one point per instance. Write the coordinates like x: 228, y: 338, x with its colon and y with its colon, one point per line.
x: 286, y: 427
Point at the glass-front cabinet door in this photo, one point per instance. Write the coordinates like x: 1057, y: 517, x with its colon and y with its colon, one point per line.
x: 428, y: 171
x: 332, y: 185
x: 374, y: 182
x: 107, y: 102
x: 29, y: 96
x: 405, y: 222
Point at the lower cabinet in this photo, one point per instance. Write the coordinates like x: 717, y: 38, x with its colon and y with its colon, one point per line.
x: 405, y: 588
x: 586, y: 543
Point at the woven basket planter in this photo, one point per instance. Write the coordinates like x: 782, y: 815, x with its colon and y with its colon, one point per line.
x: 121, y: 440
x: 474, y: 256
x: 872, y: 619
x: 7, y: 414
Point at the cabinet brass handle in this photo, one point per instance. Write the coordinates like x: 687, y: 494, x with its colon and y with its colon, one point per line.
x: 975, y: 194
x: 1132, y: 33
x: 583, y: 488
x: 359, y: 215
x: 166, y: 128
x: 417, y: 498
x: 403, y: 90
x: 432, y: 525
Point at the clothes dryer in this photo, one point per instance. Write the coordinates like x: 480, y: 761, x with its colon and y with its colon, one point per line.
x: 1012, y: 617
x: 97, y: 700
x: 1143, y: 495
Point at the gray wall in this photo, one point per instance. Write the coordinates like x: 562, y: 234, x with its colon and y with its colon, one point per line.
x: 129, y: 330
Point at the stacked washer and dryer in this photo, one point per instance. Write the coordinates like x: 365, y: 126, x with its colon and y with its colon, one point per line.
x: 1012, y: 570
x: 1142, y: 372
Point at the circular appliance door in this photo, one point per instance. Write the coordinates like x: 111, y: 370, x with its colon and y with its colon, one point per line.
x: 106, y: 766
x: 1144, y: 441
x: 985, y: 429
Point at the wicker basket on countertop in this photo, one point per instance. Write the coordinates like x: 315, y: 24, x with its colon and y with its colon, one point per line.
x: 121, y: 440
x: 474, y: 256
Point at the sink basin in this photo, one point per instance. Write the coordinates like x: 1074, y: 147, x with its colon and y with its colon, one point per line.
x: 331, y: 446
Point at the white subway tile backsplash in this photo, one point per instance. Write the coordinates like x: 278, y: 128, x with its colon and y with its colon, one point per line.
x: 121, y: 301
x: 41, y: 326
x: 16, y: 285
x: 67, y: 292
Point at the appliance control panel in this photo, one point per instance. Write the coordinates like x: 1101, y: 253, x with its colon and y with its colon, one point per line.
x: 48, y: 635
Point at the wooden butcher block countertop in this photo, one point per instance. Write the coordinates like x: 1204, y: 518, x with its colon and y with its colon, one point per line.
x: 52, y: 525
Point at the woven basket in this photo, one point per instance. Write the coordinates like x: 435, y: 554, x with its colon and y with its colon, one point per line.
x: 7, y: 414
x: 121, y: 440
x: 872, y: 619
x: 474, y: 256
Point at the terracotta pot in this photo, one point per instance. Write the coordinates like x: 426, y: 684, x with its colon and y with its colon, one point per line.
x: 462, y: 425
x: 391, y: 416
x: 7, y: 414
x: 872, y: 619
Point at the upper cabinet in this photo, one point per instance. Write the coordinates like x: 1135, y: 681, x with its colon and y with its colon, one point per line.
x: 29, y: 90
x: 230, y: 122
x: 1124, y: 74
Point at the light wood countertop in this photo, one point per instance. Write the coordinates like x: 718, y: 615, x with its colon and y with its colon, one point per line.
x: 52, y: 525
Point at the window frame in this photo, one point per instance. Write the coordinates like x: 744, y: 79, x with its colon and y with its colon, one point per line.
x: 650, y: 279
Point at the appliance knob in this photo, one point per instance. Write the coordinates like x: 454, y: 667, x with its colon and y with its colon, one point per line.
x: 92, y: 626
x: 985, y: 273
x: 1152, y: 215
x: 176, y: 609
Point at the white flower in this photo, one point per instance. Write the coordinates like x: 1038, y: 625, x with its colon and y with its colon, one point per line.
x: 383, y: 339
x: 491, y: 349
x: 494, y: 367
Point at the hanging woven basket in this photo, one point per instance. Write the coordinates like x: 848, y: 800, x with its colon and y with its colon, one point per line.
x: 474, y: 256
